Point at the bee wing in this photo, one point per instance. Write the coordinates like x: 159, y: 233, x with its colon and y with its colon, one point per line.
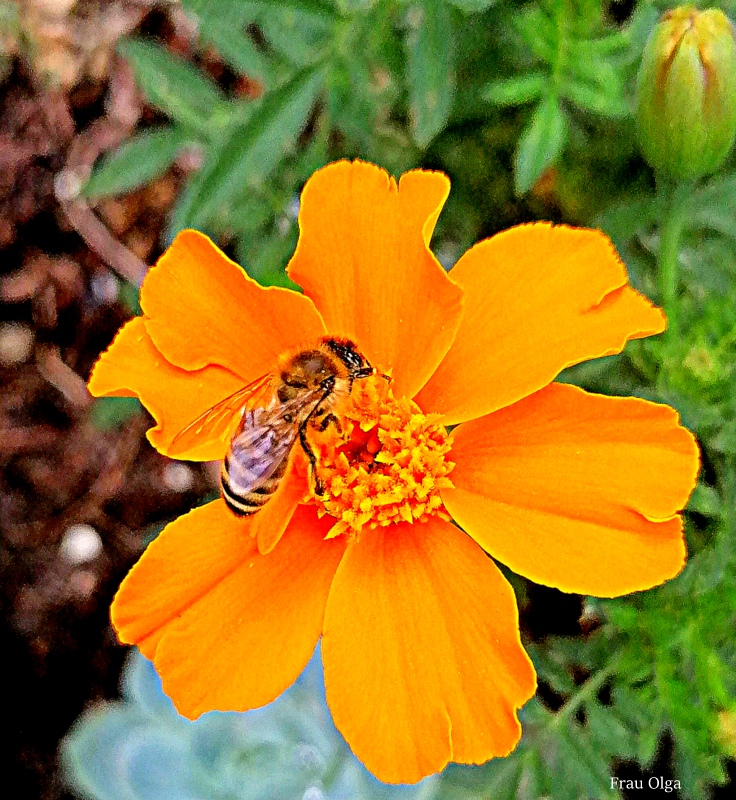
x: 222, y: 420
x: 265, y: 438
x: 257, y: 452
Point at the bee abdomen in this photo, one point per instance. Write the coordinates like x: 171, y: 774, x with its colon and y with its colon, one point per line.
x: 245, y: 503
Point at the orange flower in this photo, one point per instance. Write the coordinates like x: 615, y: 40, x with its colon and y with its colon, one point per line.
x: 420, y: 642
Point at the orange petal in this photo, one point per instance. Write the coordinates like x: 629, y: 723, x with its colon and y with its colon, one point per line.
x: 133, y: 367
x: 421, y: 650
x: 203, y: 309
x: 269, y: 524
x: 141, y: 613
x: 537, y: 299
x: 227, y: 627
x: 577, y: 490
x: 363, y: 257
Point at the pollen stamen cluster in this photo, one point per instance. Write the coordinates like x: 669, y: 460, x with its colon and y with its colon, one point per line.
x: 387, y: 464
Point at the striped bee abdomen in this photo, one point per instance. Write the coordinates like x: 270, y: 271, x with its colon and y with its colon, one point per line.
x: 243, y: 500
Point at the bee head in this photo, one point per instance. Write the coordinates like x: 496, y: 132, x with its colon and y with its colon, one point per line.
x: 347, y: 351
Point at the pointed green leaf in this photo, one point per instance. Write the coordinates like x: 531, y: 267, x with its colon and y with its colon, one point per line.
x: 515, y: 91
x: 506, y: 776
x: 608, y: 732
x: 430, y: 69
x: 592, y: 98
x: 538, y: 32
x: 581, y: 765
x: 323, y: 9
x: 648, y: 741
x: 249, y: 150
x: 172, y: 84
x: 632, y: 707
x: 236, y: 48
x: 541, y: 143
x: 534, y: 780
x: 136, y: 162
x: 296, y: 36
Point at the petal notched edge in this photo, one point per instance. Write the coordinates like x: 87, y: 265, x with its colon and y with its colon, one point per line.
x: 363, y: 258
x: 424, y: 193
x: 538, y: 298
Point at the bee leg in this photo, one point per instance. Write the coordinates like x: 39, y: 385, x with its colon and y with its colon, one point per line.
x: 319, y: 488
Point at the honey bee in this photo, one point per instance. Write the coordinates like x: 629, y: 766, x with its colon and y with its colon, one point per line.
x: 264, y: 420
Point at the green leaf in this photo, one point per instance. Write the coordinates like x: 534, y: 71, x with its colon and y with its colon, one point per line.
x: 706, y: 500
x: 236, y: 13
x: 430, y: 69
x: 515, y: 91
x: 296, y: 36
x: 249, y: 150
x: 580, y: 764
x: 534, y: 780
x: 112, y: 412
x: 608, y: 731
x: 472, y: 6
x: 316, y: 8
x: 267, y: 265
x: 539, y: 33
x: 648, y: 741
x: 632, y: 709
x: 541, y: 143
x: 555, y: 675
x: 592, y: 98
x: 236, y: 48
x: 171, y: 84
x: 321, y: 9
x: 136, y: 162
x: 594, y: 55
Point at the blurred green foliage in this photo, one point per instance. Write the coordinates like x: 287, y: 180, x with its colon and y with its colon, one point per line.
x: 9, y: 33
x: 528, y: 106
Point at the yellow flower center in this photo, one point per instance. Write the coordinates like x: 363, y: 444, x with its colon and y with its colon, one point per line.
x: 387, y: 464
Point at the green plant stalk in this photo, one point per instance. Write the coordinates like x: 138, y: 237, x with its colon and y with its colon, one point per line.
x: 674, y: 216
x: 585, y: 692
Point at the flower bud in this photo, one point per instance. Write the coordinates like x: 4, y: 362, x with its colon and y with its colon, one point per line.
x: 686, y: 93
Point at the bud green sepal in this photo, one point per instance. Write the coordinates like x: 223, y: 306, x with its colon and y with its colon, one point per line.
x: 686, y: 93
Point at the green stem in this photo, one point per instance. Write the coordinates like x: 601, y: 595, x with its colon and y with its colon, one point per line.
x: 585, y: 692
x: 674, y: 204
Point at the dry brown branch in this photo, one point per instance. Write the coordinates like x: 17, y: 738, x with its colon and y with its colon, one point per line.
x: 104, y: 134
